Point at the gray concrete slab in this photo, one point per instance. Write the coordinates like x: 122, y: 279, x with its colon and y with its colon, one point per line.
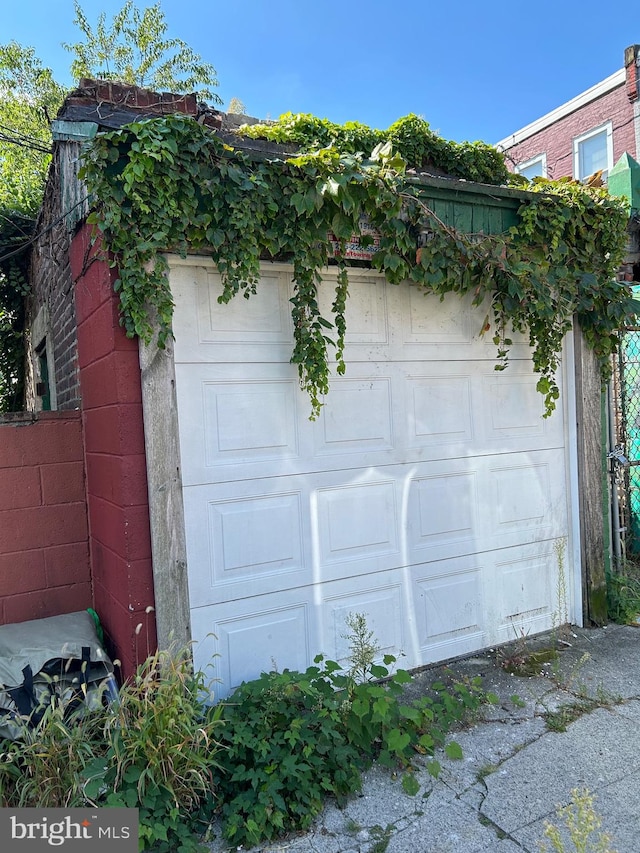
x: 515, y: 773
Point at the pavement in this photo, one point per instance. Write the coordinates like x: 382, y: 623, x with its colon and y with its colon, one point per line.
x: 517, y: 769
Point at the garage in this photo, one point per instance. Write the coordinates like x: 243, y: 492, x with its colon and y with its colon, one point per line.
x: 430, y: 494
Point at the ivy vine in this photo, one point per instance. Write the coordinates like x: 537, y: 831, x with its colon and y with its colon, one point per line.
x: 170, y: 185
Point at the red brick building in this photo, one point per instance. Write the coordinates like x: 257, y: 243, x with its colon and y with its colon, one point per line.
x: 586, y: 134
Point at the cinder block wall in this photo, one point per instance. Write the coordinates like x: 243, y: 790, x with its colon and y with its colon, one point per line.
x: 44, y: 559
x: 119, y: 533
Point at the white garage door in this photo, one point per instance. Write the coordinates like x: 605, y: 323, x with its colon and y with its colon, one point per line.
x: 430, y: 494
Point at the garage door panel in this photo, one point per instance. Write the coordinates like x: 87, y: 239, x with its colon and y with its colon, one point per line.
x: 527, y: 497
x: 356, y: 523
x: 527, y: 592
x: 443, y: 513
x: 255, y: 635
x: 525, y: 588
x: 383, y: 603
x: 254, y: 329
x: 366, y: 312
x: 258, y: 536
x: 232, y: 423
x: 383, y: 321
x: 449, y: 605
x: 357, y: 417
x: 235, y: 427
x: 439, y: 411
x: 246, y: 542
x: 480, y: 504
x: 449, y: 329
x: 512, y: 412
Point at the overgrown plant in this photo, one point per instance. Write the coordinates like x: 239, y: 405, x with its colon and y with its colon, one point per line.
x: 581, y: 823
x: 293, y: 738
x: 170, y: 185
x: 363, y: 646
x: 46, y: 766
x: 154, y: 749
x: 623, y: 596
x: 411, y: 136
x: 162, y: 751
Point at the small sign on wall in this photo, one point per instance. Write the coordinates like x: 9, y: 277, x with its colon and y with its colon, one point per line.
x: 353, y: 248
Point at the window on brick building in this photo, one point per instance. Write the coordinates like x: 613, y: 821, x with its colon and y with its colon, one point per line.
x: 41, y: 387
x: 536, y: 167
x: 593, y: 151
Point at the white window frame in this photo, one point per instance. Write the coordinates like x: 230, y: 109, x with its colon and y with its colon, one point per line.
x: 578, y: 140
x: 532, y: 161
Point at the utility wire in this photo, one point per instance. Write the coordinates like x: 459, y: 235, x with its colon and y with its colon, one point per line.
x: 9, y: 134
x: 41, y: 233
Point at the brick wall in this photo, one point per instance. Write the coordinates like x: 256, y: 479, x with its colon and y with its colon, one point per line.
x: 44, y: 560
x: 119, y: 531
x: 557, y: 139
x: 52, y: 286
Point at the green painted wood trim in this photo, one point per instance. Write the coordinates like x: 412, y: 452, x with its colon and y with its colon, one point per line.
x: 624, y: 181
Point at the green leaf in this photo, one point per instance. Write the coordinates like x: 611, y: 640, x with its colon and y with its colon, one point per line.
x: 434, y: 768
x: 453, y: 750
x: 401, y: 676
x: 398, y: 741
x: 410, y: 784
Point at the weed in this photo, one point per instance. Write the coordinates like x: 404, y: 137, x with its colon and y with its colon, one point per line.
x: 290, y: 739
x: 485, y: 771
x: 520, y: 660
x: 152, y: 750
x: 489, y: 824
x: 363, y: 647
x: 382, y: 837
x: 623, y: 596
x: 352, y: 827
x: 558, y: 720
x: 569, y: 680
x: 161, y: 751
x: 45, y: 766
x: 582, y: 824
x: 410, y: 784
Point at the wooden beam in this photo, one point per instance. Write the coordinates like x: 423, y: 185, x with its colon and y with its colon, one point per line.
x: 166, y: 511
x: 590, y: 481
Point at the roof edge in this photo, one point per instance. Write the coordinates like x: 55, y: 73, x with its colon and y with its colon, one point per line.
x: 602, y: 88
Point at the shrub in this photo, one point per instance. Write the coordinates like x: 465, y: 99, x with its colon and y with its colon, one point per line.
x: 292, y: 738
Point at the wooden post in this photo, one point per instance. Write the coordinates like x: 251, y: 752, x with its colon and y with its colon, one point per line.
x: 591, y: 481
x: 166, y: 512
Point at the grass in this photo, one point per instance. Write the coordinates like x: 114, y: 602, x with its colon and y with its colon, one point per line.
x: 485, y: 771
x: 558, y: 720
x: 623, y: 594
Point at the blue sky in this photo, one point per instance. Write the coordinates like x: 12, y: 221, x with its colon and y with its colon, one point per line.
x: 473, y: 70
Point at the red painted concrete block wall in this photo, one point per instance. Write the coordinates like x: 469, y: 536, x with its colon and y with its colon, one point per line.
x: 44, y: 557
x: 119, y: 534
